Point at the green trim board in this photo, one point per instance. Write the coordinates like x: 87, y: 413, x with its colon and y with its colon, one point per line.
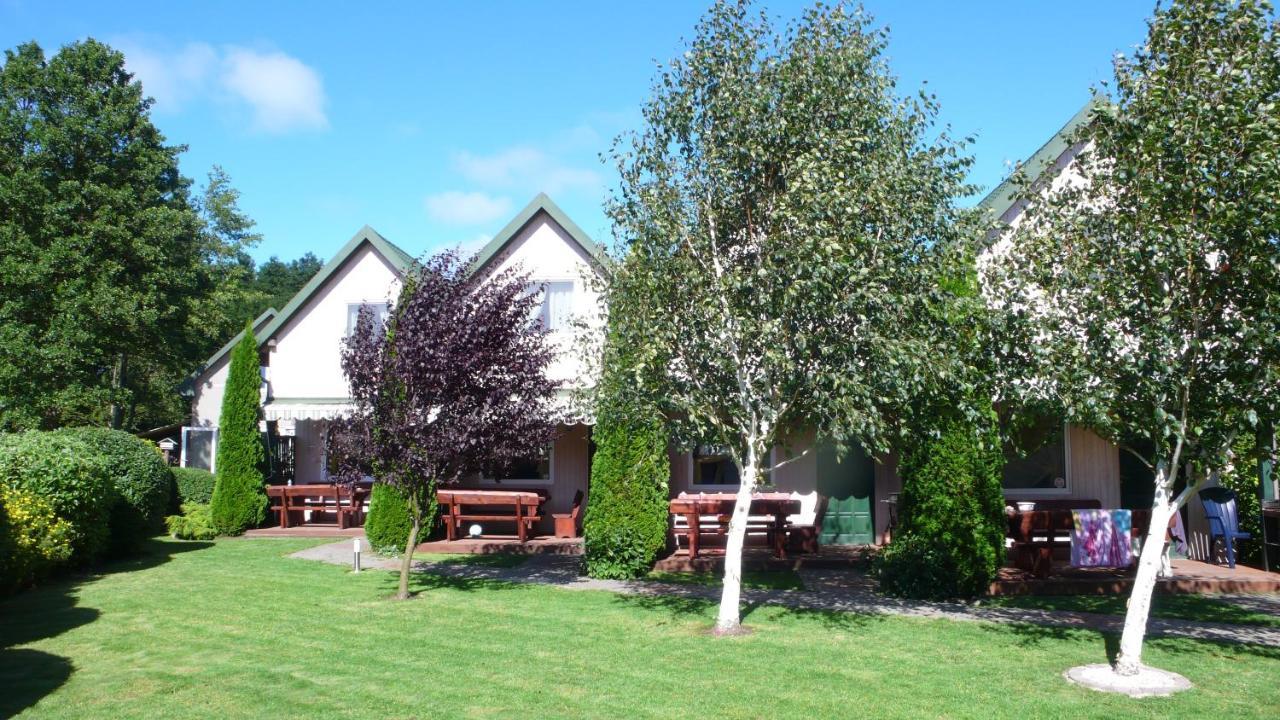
x: 540, y: 203
x: 187, y: 386
x: 1003, y: 196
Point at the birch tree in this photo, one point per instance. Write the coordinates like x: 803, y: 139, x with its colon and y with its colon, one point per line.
x: 1139, y: 293
x: 784, y: 216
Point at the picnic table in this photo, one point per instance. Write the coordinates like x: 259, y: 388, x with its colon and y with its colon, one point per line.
x: 1036, y: 533
x: 709, y: 513
x: 522, y: 507
x: 345, y: 501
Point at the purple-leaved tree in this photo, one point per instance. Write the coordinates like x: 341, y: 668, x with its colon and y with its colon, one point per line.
x: 453, y: 385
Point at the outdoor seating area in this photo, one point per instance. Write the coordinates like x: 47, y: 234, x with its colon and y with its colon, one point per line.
x: 520, y: 508
x: 707, y: 514
x: 319, y: 504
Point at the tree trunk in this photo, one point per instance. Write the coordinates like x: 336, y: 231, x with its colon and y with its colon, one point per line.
x: 406, y: 561
x: 1149, y: 563
x: 729, y: 618
x: 118, y: 380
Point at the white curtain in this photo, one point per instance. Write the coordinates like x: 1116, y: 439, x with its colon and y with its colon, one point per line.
x: 557, y: 305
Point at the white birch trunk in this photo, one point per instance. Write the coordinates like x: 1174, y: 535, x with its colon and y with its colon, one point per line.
x: 1150, y: 562
x: 729, y: 618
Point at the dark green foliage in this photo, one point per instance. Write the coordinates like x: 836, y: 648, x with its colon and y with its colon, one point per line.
x: 195, y: 523
x: 626, y: 519
x: 102, y: 248
x: 71, y: 475
x: 239, y: 501
x: 388, y: 523
x: 194, y: 485
x: 144, y: 485
x: 950, y: 538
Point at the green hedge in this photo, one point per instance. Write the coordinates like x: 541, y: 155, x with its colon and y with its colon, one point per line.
x: 194, y: 485
x: 195, y: 523
x: 387, y: 525
x: 949, y: 541
x: 71, y: 475
x: 33, y: 539
x: 239, y: 499
x: 143, y: 483
x: 625, y: 526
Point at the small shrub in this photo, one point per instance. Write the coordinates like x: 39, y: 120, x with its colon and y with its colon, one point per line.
x: 388, y: 524
x: 33, y: 539
x: 239, y: 499
x: 194, y: 485
x: 143, y: 484
x: 68, y: 473
x: 195, y: 523
x: 950, y: 538
x: 626, y: 518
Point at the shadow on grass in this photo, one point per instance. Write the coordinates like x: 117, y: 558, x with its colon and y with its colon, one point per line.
x: 692, y: 605
x: 422, y: 580
x: 49, y: 610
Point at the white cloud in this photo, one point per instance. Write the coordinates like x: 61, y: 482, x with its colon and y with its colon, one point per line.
x: 527, y: 169
x: 172, y: 78
x: 284, y: 93
x: 467, y: 208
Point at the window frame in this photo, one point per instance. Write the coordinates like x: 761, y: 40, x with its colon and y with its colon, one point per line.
x: 352, y: 319
x: 692, y: 464
x: 550, y: 480
x: 1066, y: 474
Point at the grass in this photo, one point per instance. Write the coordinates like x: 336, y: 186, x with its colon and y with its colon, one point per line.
x: 236, y: 629
x: 493, y: 560
x: 754, y: 579
x: 1182, y: 607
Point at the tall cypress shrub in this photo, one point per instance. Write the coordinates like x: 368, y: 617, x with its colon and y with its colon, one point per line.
x: 239, y: 500
x: 949, y: 541
x: 625, y: 526
x: 388, y: 524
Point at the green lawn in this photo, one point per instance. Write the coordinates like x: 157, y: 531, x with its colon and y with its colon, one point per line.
x: 1182, y: 607
x: 234, y: 629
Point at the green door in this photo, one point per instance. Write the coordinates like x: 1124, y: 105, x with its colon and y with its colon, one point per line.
x: 849, y: 486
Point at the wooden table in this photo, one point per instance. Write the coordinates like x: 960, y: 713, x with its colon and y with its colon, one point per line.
x: 1036, y: 533
x: 694, y: 507
x: 518, y: 506
x: 319, y: 497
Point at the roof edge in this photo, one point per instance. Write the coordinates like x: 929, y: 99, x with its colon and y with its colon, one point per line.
x: 540, y: 203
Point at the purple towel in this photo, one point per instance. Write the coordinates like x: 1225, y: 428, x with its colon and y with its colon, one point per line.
x: 1101, y: 538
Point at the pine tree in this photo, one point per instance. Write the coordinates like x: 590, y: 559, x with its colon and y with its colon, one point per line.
x: 238, y: 498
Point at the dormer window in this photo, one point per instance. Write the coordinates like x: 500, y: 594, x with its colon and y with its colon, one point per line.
x: 380, y: 312
x: 556, y: 310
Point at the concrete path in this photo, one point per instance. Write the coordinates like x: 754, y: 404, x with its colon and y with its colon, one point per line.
x: 825, y: 590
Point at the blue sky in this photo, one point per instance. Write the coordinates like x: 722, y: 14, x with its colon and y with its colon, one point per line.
x: 436, y: 122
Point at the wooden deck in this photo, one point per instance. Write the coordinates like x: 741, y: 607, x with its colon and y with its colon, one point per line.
x: 755, y: 557
x: 1189, y: 576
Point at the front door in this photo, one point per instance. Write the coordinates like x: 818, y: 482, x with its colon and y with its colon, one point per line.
x: 848, y: 483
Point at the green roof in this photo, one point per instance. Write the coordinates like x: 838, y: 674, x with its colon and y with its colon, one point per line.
x: 271, y: 321
x: 998, y: 201
x: 541, y: 203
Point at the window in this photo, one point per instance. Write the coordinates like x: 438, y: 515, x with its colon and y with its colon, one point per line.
x: 712, y: 466
x: 379, y: 310
x: 1039, y: 462
x: 526, y: 471
x: 556, y: 310
x: 199, y: 446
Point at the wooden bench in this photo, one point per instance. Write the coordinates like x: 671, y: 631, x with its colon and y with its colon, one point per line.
x: 346, y: 503
x: 464, y: 506
x: 697, y: 515
x: 1037, y: 533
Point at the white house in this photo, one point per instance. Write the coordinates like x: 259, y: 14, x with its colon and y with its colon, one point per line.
x: 299, y: 347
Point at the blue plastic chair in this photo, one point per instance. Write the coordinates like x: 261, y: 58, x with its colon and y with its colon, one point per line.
x: 1220, y: 510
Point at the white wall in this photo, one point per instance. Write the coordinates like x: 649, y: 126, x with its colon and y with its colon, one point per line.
x: 206, y: 406
x: 306, y: 362
x: 546, y: 252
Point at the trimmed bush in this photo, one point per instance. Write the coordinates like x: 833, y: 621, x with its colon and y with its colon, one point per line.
x: 949, y: 542
x: 239, y: 499
x: 625, y: 526
x: 143, y: 484
x: 33, y: 539
x: 194, y: 485
x: 68, y: 473
x: 195, y: 523
x: 388, y: 524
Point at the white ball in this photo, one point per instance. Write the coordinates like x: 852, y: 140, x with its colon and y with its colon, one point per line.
x: 474, y: 531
